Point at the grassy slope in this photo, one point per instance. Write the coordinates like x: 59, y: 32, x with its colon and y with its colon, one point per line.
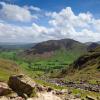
x: 89, y: 70
x: 38, y: 66
x: 7, y: 68
x: 58, y: 60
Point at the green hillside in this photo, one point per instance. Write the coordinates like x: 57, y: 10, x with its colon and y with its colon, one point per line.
x: 53, y: 54
x: 86, y: 68
x: 7, y: 68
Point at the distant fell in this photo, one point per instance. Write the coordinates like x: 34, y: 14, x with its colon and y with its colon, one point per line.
x: 55, y: 45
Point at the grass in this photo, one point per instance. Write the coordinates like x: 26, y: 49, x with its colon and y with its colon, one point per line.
x: 58, y: 61
x: 84, y: 93
x: 4, y: 75
x: 7, y: 68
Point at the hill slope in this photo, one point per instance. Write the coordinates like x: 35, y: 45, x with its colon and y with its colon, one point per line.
x: 53, y: 54
x: 86, y: 67
x: 7, y: 68
x: 53, y: 45
x: 49, y: 48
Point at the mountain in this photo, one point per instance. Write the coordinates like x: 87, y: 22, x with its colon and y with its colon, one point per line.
x: 92, y: 46
x: 99, y: 42
x: 51, y: 46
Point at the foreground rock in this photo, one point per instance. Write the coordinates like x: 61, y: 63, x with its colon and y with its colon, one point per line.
x: 22, y: 85
x: 46, y: 96
x: 88, y: 97
x: 4, y: 89
x: 8, y: 98
x: 52, y: 96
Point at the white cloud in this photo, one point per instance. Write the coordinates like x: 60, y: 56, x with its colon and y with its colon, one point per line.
x: 68, y: 17
x: 25, y: 33
x: 15, y: 13
x: 64, y: 24
x: 35, y: 8
x: 83, y: 27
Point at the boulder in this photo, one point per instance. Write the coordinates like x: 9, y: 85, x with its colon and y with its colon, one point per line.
x: 56, y: 92
x: 78, y: 95
x: 88, y: 97
x: 40, y: 88
x: 4, y: 89
x: 22, y: 85
x: 4, y: 98
x: 49, y: 89
x: 64, y: 91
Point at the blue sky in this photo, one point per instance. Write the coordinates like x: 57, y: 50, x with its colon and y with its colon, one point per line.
x: 39, y: 20
x: 56, y: 5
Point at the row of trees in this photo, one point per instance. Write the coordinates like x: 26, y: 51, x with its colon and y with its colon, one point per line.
x: 44, y: 68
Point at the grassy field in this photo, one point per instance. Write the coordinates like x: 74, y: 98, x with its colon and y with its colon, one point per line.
x: 37, y: 67
x: 57, y: 61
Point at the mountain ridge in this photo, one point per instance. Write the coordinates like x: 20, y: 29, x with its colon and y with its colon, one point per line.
x: 53, y: 45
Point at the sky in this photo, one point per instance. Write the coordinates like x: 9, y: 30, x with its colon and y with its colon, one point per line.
x: 31, y: 21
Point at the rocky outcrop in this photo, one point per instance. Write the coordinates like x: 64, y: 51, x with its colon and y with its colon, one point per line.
x: 80, y: 85
x: 22, y: 85
x: 85, y: 60
x: 84, y: 86
x: 88, y: 97
x: 40, y: 88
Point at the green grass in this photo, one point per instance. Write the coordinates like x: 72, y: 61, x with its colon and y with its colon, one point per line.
x: 59, y: 60
x: 7, y: 68
x: 4, y: 75
x: 37, y: 66
x: 8, y: 54
x: 84, y: 93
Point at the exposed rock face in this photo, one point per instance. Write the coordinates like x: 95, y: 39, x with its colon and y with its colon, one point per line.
x: 21, y: 84
x: 83, y: 60
x: 4, y: 89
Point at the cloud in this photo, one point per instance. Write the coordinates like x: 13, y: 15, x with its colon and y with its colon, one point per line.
x: 82, y: 27
x: 63, y: 24
x: 35, y: 8
x: 68, y: 17
x: 15, y: 13
x: 25, y: 33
